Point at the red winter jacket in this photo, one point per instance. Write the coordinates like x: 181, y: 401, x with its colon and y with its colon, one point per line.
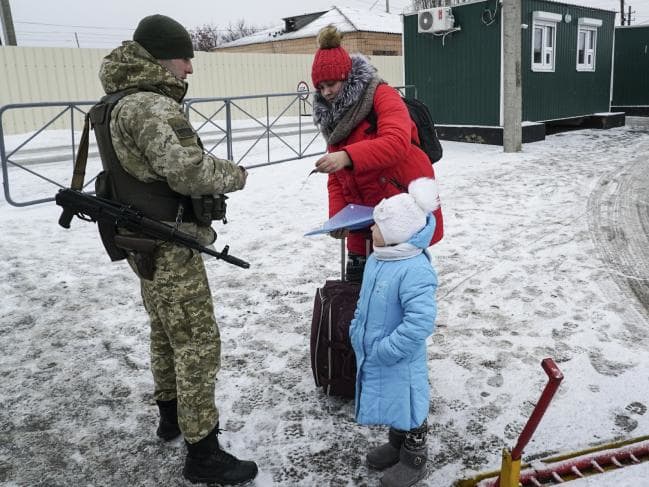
x: 377, y: 158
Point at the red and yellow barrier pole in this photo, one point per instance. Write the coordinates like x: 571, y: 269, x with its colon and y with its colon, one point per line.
x: 510, y: 469
x: 560, y: 468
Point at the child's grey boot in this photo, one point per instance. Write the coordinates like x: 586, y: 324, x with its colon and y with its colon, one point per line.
x: 413, y: 457
x: 386, y: 455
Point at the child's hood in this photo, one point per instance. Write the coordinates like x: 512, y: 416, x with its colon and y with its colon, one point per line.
x: 422, y: 238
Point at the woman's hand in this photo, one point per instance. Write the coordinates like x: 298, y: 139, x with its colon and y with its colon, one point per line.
x: 333, y: 162
x: 339, y: 233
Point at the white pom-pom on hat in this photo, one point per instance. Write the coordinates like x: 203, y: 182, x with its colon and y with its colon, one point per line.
x: 404, y: 214
x: 426, y: 193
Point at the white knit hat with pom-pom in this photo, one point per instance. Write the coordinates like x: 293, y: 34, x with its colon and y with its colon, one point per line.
x: 403, y: 215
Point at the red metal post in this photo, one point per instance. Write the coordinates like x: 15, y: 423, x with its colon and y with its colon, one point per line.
x: 555, y: 377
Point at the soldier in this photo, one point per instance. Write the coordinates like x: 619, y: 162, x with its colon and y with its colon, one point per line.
x: 155, y: 161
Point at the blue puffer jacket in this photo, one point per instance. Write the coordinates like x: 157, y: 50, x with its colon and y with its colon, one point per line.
x: 394, y: 316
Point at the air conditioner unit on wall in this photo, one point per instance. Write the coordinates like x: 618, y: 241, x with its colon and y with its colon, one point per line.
x: 433, y: 20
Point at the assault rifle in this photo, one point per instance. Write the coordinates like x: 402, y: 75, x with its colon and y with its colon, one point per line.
x: 102, y: 210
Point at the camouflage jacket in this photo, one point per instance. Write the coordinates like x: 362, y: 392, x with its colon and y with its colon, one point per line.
x: 151, y: 135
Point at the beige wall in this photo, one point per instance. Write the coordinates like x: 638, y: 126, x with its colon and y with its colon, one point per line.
x: 32, y: 74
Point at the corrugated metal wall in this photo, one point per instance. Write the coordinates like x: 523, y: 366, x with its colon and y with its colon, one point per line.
x: 566, y: 92
x: 631, y: 70
x: 47, y: 74
x: 31, y: 74
x: 459, y: 80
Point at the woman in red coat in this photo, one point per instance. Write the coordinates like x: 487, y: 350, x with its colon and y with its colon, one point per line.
x: 364, y: 165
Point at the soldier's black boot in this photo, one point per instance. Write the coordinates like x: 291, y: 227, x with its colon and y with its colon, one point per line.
x: 206, y: 462
x: 386, y: 455
x: 412, y: 460
x: 168, y: 427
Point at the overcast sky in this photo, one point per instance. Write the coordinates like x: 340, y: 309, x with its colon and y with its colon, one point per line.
x: 101, y: 23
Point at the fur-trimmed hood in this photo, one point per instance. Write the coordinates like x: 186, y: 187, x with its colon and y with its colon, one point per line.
x: 327, y: 115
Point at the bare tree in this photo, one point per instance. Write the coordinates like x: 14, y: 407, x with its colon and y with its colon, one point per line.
x: 205, y: 38
x: 209, y: 36
x: 237, y: 31
x: 423, y: 4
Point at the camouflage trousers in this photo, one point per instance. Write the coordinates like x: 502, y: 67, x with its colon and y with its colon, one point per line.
x: 185, y: 340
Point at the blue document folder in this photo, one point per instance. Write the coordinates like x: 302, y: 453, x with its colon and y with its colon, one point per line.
x: 352, y: 217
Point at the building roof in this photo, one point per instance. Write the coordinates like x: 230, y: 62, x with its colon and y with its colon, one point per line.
x: 609, y: 5
x: 346, y: 19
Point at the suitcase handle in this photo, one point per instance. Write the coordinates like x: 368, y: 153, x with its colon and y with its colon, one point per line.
x: 343, y: 260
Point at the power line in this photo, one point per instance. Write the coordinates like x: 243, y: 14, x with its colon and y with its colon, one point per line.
x: 370, y: 4
x: 76, y: 26
x: 52, y: 39
x: 68, y: 32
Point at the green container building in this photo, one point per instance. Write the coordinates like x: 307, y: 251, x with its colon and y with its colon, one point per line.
x: 566, y: 60
x: 631, y: 70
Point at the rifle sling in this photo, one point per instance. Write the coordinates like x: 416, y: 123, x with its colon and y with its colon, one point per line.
x: 136, y: 244
x: 79, y: 172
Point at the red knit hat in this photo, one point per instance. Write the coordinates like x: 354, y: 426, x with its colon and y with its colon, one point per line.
x: 331, y: 61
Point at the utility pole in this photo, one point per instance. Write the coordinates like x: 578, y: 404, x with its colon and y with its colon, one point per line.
x: 622, y: 12
x: 628, y: 18
x: 512, y: 90
x: 387, y: 6
x: 7, y: 23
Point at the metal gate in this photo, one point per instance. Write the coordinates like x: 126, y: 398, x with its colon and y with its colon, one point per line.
x: 254, y: 131
x: 249, y: 130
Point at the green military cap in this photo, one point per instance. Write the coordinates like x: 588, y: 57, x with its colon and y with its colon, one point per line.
x: 164, y: 38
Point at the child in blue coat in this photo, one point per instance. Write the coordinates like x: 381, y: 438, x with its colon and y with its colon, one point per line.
x: 394, y: 316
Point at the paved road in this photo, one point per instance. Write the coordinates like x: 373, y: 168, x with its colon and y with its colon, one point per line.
x: 619, y: 220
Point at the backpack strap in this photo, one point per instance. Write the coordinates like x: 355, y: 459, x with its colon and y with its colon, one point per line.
x: 373, y: 120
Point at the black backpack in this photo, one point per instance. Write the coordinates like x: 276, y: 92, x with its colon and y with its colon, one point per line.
x: 420, y: 114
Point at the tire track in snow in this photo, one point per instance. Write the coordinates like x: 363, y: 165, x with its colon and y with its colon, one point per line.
x: 618, y: 218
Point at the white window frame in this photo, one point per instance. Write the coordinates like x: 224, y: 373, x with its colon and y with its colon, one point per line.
x: 590, y: 34
x: 587, y: 27
x: 545, y: 25
x: 545, y: 21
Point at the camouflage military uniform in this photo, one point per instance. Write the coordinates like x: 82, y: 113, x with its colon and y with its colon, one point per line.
x: 154, y: 141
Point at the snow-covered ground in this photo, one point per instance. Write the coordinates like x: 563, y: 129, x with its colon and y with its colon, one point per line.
x: 527, y: 270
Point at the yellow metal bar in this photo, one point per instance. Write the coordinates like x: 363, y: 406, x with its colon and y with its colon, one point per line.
x: 606, y: 446
x: 510, y: 470
x: 476, y: 479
